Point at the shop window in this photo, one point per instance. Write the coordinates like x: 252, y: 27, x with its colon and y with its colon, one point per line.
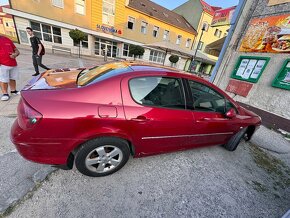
x: 218, y: 33
x: 80, y: 6
x: 126, y: 50
x: 109, y: 12
x: 200, y: 45
x: 46, y: 32
x: 188, y: 42
x: 155, y: 31
x: 144, y: 27
x: 178, y: 40
x: 131, y: 22
x: 58, y: 3
x: 156, y: 56
x: 166, y: 35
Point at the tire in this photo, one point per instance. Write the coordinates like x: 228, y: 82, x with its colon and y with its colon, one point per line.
x: 102, y: 156
x: 235, y: 140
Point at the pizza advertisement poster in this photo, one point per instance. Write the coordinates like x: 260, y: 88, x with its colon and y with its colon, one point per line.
x: 269, y: 34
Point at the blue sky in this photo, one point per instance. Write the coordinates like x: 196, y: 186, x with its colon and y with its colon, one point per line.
x: 171, y: 4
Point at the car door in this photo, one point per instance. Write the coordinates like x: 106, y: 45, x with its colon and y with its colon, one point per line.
x: 155, y: 112
x: 211, y: 126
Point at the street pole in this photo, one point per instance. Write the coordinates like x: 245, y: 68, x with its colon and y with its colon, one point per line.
x: 194, y: 56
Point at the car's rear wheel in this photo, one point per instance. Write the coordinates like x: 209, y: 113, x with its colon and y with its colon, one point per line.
x: 235, y: 140
x: 102, y: 156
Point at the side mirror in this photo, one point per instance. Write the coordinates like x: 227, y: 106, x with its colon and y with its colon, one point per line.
x: 231, y: 113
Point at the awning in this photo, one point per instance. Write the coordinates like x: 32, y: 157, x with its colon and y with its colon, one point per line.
x: 202, y: 57
x: 169, y: 47
x: 215, y: 47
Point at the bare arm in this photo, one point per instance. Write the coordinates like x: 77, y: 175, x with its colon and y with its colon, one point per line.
x: 39, y: 49
x: 15, y: 53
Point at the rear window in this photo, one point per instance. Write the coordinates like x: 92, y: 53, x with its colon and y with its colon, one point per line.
x: 100, y: 73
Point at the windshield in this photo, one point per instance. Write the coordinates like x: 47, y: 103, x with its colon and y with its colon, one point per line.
x: 96, y: 74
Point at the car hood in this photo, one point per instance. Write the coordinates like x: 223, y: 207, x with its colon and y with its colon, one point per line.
x: 54, y: 79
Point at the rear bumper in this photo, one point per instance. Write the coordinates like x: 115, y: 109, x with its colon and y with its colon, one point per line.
x: 41, y: 150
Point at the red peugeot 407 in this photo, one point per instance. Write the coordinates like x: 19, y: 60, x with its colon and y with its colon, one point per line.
x: 96, y: 118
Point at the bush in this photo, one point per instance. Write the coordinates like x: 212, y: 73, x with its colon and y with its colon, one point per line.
x: 173, y: 58
x: 136, y: 50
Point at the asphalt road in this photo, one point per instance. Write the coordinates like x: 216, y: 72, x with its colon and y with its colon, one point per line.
x: 253, y: 181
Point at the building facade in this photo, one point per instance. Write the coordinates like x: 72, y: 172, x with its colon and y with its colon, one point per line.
x: 7, y: 25
x: 111, y: 27
x: 200, y: 15
x: 255, y: 68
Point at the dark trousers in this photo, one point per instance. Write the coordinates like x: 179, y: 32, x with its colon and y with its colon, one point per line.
x: 37, y: 62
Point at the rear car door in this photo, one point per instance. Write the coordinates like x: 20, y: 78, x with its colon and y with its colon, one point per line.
x: 210, y: 126
x: 156, y: 116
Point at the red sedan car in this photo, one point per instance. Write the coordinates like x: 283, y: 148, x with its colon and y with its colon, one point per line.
x: 96, y: 118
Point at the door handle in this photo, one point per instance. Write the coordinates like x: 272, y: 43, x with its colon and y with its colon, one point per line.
x: 141, y: 119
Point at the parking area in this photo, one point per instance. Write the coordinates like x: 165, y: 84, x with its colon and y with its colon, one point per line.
x: 253, y: 181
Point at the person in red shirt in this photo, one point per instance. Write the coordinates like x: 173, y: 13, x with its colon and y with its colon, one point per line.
x: 8, y: 67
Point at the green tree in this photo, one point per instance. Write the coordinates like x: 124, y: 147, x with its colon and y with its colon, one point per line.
x: 173, y: 59
x: 136, y: 50
x: 77, y: 36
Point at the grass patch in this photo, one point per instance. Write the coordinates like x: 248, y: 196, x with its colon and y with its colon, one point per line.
x: 275, y: 168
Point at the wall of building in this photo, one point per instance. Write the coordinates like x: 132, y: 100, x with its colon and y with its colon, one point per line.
x: 262, y: 95
x: 44, y: 8
x: 191, y: 11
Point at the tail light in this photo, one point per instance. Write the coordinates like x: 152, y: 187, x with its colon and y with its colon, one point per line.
x: 27, y: 116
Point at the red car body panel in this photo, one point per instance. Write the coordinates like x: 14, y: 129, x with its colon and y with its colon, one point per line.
x: 74, y: 115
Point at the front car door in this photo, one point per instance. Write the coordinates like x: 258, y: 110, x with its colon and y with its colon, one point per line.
x: 155, y: 111
x: 211, y: 126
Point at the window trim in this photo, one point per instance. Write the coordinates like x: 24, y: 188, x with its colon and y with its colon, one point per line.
x: 146, y: 27
x: 80, y: 5
x: 133, y: 27
x: 58, y: 6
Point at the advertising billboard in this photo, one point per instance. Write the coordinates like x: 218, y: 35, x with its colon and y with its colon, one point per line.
x: 269, y: 34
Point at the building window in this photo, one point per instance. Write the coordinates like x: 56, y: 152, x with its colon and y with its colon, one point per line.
x: 205, y: 26
x: 188, y: 42
x: 144, y: 27
x: 131, y: 22
x: 155, y: 31
x: 109, y: 12
x: 80, y: 6
x: 166, y: 35
x: 156, y: 56
x: 200, y: 45
x: 46, y: 32
x: 178, y: 40
x: 126, y: 50
x: 218, y: 33
x: 58, y: 3
x: 84, y: 43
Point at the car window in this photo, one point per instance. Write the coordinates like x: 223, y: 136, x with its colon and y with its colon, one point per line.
x: 207, y: 99
x: 158, y: 91
x: 100, y: 73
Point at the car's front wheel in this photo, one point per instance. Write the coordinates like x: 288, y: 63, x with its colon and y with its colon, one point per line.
x: 235, y: 140
x: 102, y: 156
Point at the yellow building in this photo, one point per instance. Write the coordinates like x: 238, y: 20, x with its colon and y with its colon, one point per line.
x: 201, y: 17
x: 7, y: 25
x: 111, y: 26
